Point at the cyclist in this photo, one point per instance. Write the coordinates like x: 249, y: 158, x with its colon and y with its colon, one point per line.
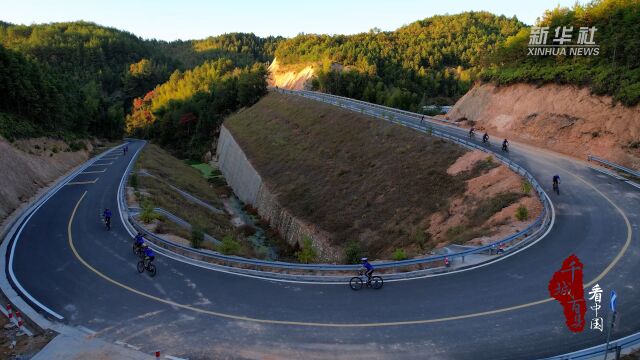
x: 149, y: 255
x: 107, y: 217
x: 139, y: 240
x: 472, y: 132
x: 368, y: 268
x: 485, y: 137
x: 556, y: 181
x: 505, y: 145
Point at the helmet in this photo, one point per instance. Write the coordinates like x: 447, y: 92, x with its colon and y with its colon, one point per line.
x: 139, y: 233
x: 145, y: 245
x: 364, y: 259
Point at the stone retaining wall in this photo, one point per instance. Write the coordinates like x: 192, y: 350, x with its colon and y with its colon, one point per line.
x: 248, y: 185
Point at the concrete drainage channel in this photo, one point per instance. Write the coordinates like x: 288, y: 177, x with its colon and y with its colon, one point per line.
x: 393, y: 270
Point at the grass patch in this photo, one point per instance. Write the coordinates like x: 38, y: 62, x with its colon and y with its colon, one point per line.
x: 205, y: 169
x: 173, y: 171
x: 399, y: 254
x: 460, y: 234
x: 147, y: 213
x: 197, y: 236
x: 165, y: 166
x: 353, y: 253
x: 307, y: 254
x: 489, y: 207
x: 163, y: 196
x: 342, y: 170
x: 522, y: 213
x: 229, y: 246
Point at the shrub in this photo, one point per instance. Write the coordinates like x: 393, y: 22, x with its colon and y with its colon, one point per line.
x: 134, y: 181
x: 352, y: 253
x: 421, y: 239
x: 307, y: 253
x: 77, y: 146
x: 522, y: 213
x: 247, y: 230
x: 526, y: 187
x: 488, y: 207
x: 147, y: 214
x: 197, y: 236
x: 399, y: 254
x: 456, y: 231
x: 229, y: 246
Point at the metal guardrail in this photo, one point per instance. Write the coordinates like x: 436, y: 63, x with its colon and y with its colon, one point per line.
x: 537, y: 227
x: 598, y: 351
x: 385, y: 108
x: 176, y: 219
x: 614, y: 165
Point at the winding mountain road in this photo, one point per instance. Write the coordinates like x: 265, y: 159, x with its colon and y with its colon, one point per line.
x: 83, y: 275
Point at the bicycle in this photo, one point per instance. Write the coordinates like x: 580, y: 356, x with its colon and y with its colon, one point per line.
x: 357, y: 282
x: 556, y: 188
x: 107, y: 223
x: 147, y: 265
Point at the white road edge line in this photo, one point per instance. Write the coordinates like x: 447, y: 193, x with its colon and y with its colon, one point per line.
x: 636, y: 185
x: 17, y: 237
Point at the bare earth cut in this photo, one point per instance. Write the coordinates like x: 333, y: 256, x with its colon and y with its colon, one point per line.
x: 562, y: 118
x: 30, y: 165
x: 382, y: 188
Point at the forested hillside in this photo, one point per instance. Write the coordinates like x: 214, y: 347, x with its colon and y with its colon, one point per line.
x: 432, y: 60
x: 94, y: 68
x: 79, y: 79
x: 184, y: 112
x: 615, y: 71
x: 244, y: 49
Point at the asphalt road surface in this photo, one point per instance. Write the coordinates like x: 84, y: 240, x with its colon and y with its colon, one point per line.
x: 67, y: 260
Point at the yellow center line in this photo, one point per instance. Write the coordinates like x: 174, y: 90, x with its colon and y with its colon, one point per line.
x: 352, y: 325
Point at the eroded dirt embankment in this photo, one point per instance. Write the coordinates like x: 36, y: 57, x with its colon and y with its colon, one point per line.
x: 562, y: 118
x: 29, y: 165
x: 291, y: 77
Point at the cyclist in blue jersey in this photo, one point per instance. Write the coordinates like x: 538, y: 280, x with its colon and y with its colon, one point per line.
x: 368, y: 268
x: 139, y: 240
x: 149, y: 255
x: 107, y: 218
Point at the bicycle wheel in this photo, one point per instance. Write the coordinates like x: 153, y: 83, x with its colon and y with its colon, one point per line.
x: 355, y: 283
x: 152, y: 270
x: 140, y: 266
x: 376, y: 282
